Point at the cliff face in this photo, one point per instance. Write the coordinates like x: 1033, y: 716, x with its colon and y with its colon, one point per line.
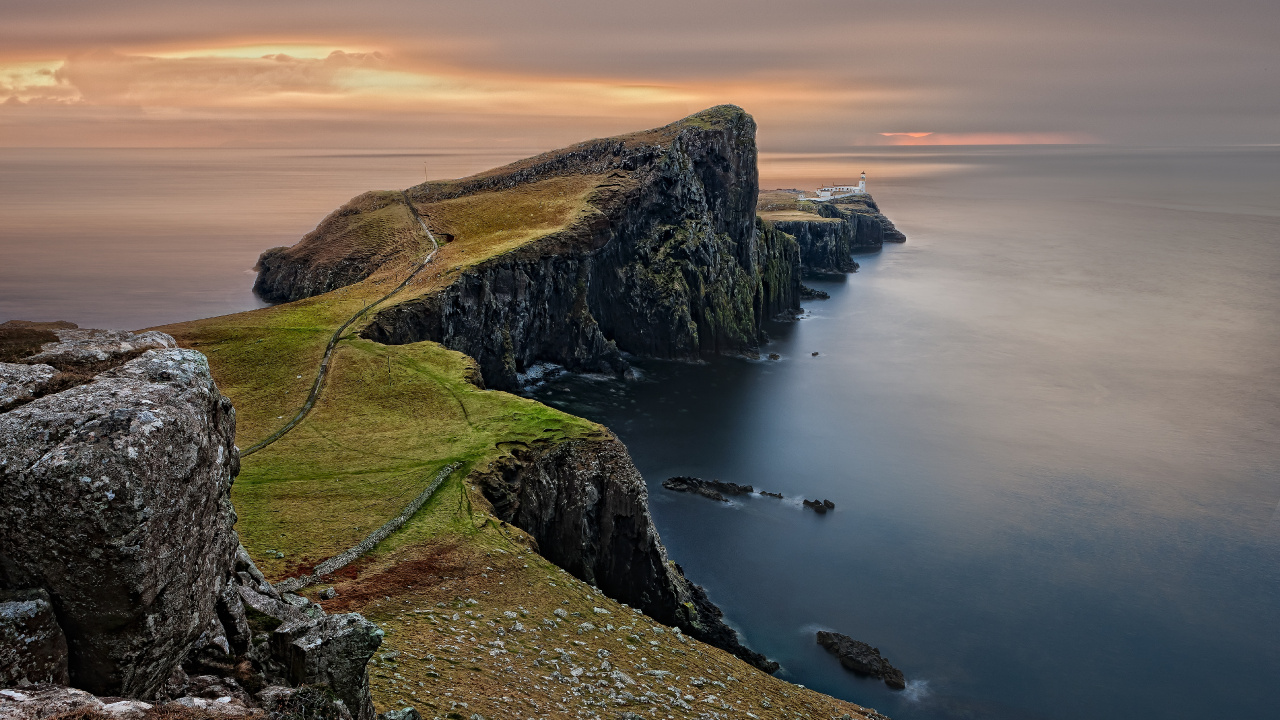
x: 825, y: 245
x: 828, y: 233
x: 586, y: 505
x: 668, y: 260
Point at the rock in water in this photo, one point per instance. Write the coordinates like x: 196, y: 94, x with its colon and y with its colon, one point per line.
x: 97, y: 481
x: 713, y: 489
x: 861, y: 658
x: 32, y: 647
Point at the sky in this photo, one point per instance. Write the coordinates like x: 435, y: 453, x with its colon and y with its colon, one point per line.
x: 818, y: 75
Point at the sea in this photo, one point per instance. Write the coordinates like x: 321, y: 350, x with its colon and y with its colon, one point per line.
x: 1049, y: 422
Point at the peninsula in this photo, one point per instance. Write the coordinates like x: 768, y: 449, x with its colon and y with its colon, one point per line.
x: 504, y: 549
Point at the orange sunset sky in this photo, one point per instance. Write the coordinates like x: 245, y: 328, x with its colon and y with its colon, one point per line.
x: 818, y: 74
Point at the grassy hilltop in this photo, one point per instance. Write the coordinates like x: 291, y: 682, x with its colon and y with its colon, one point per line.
x: 476, y: 620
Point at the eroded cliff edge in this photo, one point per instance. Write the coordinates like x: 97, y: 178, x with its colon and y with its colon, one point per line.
x: 586, y: 505
x: 664, y: 257
x: 829, y: 233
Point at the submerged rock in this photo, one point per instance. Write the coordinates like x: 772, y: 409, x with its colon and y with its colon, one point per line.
x: 861, y: 658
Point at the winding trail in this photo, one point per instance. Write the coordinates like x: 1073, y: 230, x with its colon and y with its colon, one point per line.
x: 337, y: 337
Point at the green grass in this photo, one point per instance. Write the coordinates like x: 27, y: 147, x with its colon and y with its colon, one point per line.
x: 388, y: 418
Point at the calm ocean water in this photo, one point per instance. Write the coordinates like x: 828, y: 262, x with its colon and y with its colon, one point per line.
x: 1050, y: 422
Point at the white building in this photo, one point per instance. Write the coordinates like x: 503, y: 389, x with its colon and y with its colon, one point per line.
x: 835, y: 192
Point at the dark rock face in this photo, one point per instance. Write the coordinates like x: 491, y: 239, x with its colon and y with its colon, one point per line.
x: 96, y: 480
x: 838, y: 230
x: 825, y: 246
x: 32, y: 647
x: 586, y: 505
x: 713, y: 489
x: 861, y: 658
x: 674, y: 266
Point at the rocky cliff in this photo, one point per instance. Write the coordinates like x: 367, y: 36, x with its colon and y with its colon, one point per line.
x: 666, y: 258
x: 828, y: 233
x: 120, y: 570
x: 586, y: 505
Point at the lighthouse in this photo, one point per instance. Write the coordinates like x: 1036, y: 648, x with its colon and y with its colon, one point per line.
x: 835, y: 192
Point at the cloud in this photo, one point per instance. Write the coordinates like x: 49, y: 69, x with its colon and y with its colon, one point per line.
x: 991, y: 138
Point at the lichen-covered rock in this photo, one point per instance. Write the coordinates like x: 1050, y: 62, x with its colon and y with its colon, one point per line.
x: 586, y: 505
x: 117, y: 504
x: 84, y: 346
x: 20, y: 382
x: 42, y: 701
x: 33, y: 649
x: 331, y: 651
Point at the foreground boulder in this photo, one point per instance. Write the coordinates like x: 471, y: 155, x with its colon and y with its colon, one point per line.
x: 861, y: 658
x: 120, y: 572
x: 96, y: 480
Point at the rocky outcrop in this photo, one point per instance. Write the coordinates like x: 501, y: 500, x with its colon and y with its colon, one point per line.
x: 32, y: 647
x: 586, y: 505
x: 80, y: 347
x: 861, y: 658
x: 829, y: 232
x: 711, y: 489
x: 345, y: 248
x: 670, y: 262
x: 120, y: 572
x: 819, y: 506
x: 95, y: 480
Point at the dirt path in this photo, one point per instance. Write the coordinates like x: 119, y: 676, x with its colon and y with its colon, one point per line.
x: 337, y: 337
